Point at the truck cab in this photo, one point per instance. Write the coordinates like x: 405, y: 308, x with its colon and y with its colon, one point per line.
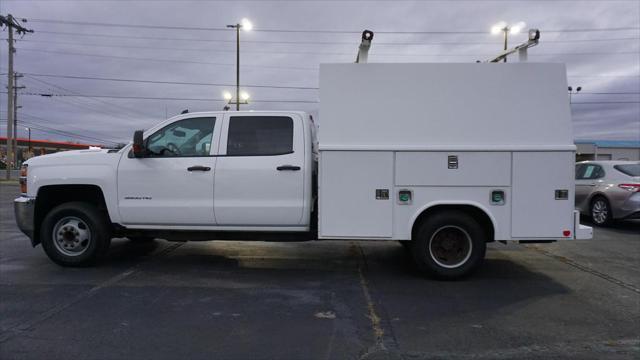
x: 218, y: 171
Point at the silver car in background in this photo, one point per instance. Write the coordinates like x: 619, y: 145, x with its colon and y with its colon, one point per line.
x: 608, y: 190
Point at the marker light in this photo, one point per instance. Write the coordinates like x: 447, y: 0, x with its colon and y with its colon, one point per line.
x: 246, y: 24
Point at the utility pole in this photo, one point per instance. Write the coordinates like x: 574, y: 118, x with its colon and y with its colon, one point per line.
x: 15, y: 115
x: 12, y: 24
x: 29, y: 146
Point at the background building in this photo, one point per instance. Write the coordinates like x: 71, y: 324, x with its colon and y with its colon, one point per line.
x: 28, y: 148
x: 607, y: 150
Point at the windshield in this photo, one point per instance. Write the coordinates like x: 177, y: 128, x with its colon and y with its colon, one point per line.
x: 630, y: 169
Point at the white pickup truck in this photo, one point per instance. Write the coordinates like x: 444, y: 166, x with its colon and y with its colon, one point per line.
x: 442, y: 157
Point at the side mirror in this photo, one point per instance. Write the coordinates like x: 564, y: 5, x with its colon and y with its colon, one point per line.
x: 138, y: 144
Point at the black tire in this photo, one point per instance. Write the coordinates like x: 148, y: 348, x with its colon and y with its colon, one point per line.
x: 449, y: 245
x: 600, y: 211
x: 87, y: 218
x: 141, y: 239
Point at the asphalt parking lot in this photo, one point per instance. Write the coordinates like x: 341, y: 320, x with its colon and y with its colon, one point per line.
x: 318, y: 300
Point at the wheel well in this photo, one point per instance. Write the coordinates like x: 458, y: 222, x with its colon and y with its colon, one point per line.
x: 51, y: 196
x: 473, y: 211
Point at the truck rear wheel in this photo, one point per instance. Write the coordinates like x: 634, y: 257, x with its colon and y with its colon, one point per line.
x: 449, y: 245
x: 75, y: 234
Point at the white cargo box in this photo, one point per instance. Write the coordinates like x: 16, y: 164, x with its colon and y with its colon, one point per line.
x: 395, y: 126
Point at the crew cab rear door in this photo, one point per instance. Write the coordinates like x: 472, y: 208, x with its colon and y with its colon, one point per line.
x: 259, y: 178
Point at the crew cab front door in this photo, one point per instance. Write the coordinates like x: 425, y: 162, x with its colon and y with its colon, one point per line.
x: 259, y: 179
x: 173, y: 184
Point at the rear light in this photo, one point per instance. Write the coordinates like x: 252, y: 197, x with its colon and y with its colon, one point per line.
x: 23, y: 179
x: 566, y: 233
x: 630, y: 187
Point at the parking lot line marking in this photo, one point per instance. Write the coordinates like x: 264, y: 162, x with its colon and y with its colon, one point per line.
x: 26, y: 325
x: 378, y: 332
x: 586, y: 269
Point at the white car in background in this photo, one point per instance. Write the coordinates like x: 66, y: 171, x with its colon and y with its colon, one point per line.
x: 608, y: 190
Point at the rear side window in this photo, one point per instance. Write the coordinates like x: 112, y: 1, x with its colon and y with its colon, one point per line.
x: 260, y: 135
x: 630, y: 169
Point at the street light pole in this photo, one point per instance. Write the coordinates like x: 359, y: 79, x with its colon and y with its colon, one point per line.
x: 243, y: 24
x: 238, y: 67
x: 506, y: 29
x: 571, y: 92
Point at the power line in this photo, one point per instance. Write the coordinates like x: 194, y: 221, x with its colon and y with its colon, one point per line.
x: 604, y: 102
x: 470, y: 56
x: 34, y: 117
x: 167, y: 82
x: 254, y: 101
x: 315, y: 31
x: 108, y: 112
x: 297, y: 42
x: 609, y: 93
x: 61, y: 132
x: 161, y: 98
x: 221, y: 84
x: 277, y: 52
x: 167, y: 60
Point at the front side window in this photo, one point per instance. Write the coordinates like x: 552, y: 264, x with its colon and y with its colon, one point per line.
x: 260, y: 135
x: 183, y: 138
x: 592, y: 171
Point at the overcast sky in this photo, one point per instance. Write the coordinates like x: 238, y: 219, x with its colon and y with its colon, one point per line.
x: 598, y: 40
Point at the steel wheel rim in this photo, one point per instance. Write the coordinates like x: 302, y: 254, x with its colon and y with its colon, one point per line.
x: 599, y: 211
x: 71, y: 236
x: 450, y: 246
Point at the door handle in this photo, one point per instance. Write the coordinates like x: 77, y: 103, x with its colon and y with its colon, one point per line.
x: 198, y: 168
x: 288, y: 167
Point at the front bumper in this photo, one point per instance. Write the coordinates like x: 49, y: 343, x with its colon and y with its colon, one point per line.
x: 24, y: 208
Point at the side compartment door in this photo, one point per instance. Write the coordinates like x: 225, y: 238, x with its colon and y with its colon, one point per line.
x: 259, y: 178
x: 536, y: 210
x: 173, y: 184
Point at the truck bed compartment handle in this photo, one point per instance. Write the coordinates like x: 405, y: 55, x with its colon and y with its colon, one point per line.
x: 198, y: 168
x: 288, y: 167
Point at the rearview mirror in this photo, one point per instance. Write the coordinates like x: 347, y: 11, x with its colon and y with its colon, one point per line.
x: 138, y: 144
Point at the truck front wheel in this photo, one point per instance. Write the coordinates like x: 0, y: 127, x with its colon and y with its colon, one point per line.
x: 75, y: 234
x: 449, y: 245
